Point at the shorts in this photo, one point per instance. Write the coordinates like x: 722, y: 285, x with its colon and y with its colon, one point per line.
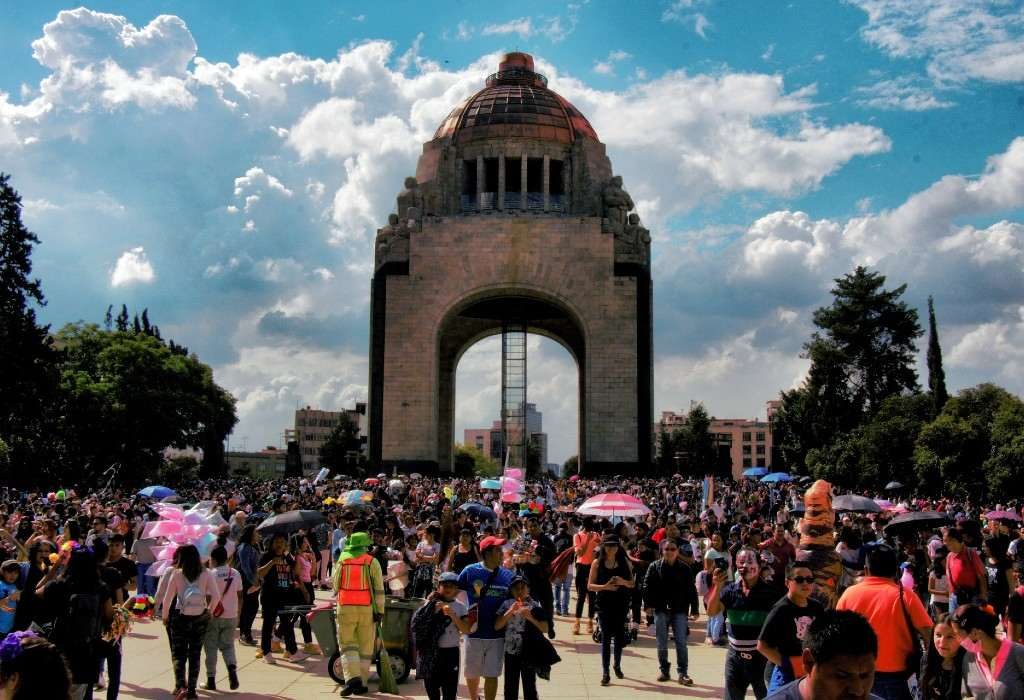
x: 484, y: 657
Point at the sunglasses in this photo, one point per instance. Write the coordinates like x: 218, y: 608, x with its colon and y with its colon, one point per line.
x: 803, y: 579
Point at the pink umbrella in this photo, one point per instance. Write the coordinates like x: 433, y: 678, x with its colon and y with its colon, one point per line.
x: 1001, y: 515
x: 574, y: 477
x: 884, y: 504
x: 609, y: 505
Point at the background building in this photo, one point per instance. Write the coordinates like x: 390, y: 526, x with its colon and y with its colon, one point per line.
x: 268, y: 463
x: 313, y: 426
x: 490, y: 441
x: 748, y: 441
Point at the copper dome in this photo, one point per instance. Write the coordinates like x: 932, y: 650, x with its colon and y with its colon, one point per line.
x: 515, y: 103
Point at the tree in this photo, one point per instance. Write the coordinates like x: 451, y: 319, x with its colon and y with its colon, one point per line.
x: 28, y: 380
x: 666, y: 451
x: 126, y: 397
x: 571, y: 466
x: 936, y: 375
x: 695, y: 443
x: 862, y: 354
x: 343, y: 440
x: 469, y: 461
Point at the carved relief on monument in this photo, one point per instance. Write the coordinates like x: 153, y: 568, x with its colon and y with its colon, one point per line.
x: 410, y: 203
x: 632, y: 240
x: 617, y: 204
x: 392, y: 243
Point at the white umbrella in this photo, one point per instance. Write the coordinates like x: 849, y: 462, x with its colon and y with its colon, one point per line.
x: 610, y: 505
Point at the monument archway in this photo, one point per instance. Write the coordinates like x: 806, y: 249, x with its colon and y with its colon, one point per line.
x: 513, y: 216
x: 485, y: 314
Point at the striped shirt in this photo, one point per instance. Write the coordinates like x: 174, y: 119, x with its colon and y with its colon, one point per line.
x: 745, y: 614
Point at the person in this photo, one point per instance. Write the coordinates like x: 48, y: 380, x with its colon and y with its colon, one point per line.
x: 783, y: 553
x: 428, y: 553
x: 839, y: 655
x: 535, y: 566
x: 247, y: 557
x: 122, y: 564
x: 563, y: 583
x: 32, y: 668
x: 513, y: 616
x: 781, y: 638
x: 305, y: 547
x: 993, y: 669
x: 109, y: 648
x: 279, y: 572
x: 1015, y: 606
x: 82, y: 605
x: 941, y: 674
x: 144, y: 557
x: 669, y: 595
x: 359, y: 584
x: 611, y: 578
x: 998, y: 573
x: 437, y: 627
x: 463, y: 553
x: 220, y: 632
x: 585, y: 545
x: 486, y: 584
x: 880, y: 599
x: 10, y: 570
x: 938, y: 586
x: 965, y: 572
x: 99, y: 531
x: 746, y: 604
x: 190, y: 596
x: 30, y: 608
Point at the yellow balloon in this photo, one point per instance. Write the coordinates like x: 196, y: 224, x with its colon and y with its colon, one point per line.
x: 448, y: 491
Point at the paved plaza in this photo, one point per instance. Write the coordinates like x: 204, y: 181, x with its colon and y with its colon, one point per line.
x: 148, y: 675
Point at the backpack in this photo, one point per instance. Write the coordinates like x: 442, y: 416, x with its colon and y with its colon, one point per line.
x: 192, y: 600
x: 80, y: 625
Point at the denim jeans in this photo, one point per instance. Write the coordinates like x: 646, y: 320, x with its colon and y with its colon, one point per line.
x: 716, y: 628
x: 679, y: 624
x: 562, y: 590
x: 744, y: 669
x: 145, y: 585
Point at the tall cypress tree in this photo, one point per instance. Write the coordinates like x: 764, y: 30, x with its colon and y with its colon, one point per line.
x: 936, y: 375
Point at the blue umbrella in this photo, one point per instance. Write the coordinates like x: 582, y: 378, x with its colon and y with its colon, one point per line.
x: 160, y: 492
x: 776, y: 477
x: 492, y: 484
x: 754, y: 472
x: 479, y: 510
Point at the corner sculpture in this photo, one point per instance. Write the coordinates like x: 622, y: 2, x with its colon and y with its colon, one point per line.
x: 817, y: 543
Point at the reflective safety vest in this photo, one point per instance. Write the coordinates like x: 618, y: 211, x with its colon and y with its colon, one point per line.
x: 355, y: 581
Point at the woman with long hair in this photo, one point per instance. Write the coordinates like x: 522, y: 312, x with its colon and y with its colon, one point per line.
x: 993, y: 669
x: 999, y: 571
x: 941, y: 676
x: 247, y: 559
x: 463, y: 553
x: 611, y: 578
x: 428, y: 553
x: 279, y: 572
x: 29, y: 608
x: 191, y: 593
x: 32, y: 668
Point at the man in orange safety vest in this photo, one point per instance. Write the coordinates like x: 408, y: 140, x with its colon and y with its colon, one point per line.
x: 359, y: 585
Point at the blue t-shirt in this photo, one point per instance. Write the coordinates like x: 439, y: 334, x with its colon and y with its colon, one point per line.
x: 472, y: 580
x: 8, y: 607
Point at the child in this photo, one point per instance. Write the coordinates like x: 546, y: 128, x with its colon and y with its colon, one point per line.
x: 9, y: 595
x: 938, y: 585
x: 437, y: 629
x: 941, y: 677
x: 220, y: 632
x: 514, y: 615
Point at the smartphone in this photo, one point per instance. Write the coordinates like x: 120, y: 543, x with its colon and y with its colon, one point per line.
x: 722, y: 563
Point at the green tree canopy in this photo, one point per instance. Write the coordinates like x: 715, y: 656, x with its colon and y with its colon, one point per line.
x: 341, y: 442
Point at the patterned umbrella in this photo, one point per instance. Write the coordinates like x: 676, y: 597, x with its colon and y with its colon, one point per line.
x: 610, y: 505
x: 1001, y: 515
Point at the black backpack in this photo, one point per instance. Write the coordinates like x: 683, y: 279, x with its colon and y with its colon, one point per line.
x: 79, y: 625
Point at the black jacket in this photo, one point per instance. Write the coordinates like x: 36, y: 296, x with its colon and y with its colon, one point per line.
x: 670, y: 588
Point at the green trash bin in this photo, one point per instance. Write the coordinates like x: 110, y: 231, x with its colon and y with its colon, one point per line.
x: 396, y: 634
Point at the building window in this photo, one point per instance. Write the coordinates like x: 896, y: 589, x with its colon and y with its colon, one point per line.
x: 746, y: 449
x: 760, y: 449
x: 746, y: 462
x: 760, y: 462
x: 746, y: 437
x: 760, y: 437
x: 469, y: 177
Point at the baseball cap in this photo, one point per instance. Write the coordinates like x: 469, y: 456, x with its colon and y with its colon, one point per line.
x: 491, y: 541
x: 448, y: 577
x: 685, y: 549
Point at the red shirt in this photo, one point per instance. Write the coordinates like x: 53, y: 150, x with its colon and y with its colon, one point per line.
x: 964, y: 569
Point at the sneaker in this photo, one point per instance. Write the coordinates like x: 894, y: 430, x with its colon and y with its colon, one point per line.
x: 664, y: 677
x: 606, y: 679
x: 685, y: 680
x: 311, y: 648
x: 294, y: 657
x: 259, y: 653
x: 247, y: 641
x: 276, y: 646
x: 101, y: 682
x: 269, y: 658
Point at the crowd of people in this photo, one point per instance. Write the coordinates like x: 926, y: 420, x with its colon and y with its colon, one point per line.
x: 935, y: 612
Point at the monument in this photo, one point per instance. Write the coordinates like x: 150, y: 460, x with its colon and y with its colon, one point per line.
x: 514, y: 220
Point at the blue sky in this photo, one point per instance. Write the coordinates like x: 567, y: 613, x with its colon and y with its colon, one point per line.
x: 227, y: 167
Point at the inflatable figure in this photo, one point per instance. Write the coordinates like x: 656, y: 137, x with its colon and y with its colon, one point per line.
x: 817, y: 542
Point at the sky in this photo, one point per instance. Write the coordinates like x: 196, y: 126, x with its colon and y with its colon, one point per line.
x: 226, y: 166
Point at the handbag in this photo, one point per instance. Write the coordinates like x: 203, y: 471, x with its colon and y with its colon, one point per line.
x: 917, y: 651
x: 473, y: 616
x: 218, y: 609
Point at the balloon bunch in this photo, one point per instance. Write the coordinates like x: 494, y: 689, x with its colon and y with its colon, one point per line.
x: 512, y: 488
x: 196, y: 526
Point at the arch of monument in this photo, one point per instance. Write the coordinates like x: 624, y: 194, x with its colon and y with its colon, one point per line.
x: 513, y: 216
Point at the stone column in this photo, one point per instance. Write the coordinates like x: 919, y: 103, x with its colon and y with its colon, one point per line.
x: 479, y: 183
x: 547, y: 182
x: 501, y: 181
x: 522, y: 180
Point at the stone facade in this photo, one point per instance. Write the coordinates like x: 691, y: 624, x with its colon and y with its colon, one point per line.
x: 557, y: 250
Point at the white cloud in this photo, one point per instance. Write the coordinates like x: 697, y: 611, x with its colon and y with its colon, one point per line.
x: 607, y: 66
x: 132, y: 267
x: 901, y: 93
x: 768, y: 52
x: 982, y: 39
x: 523, y: 26
x: 684, y: 12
